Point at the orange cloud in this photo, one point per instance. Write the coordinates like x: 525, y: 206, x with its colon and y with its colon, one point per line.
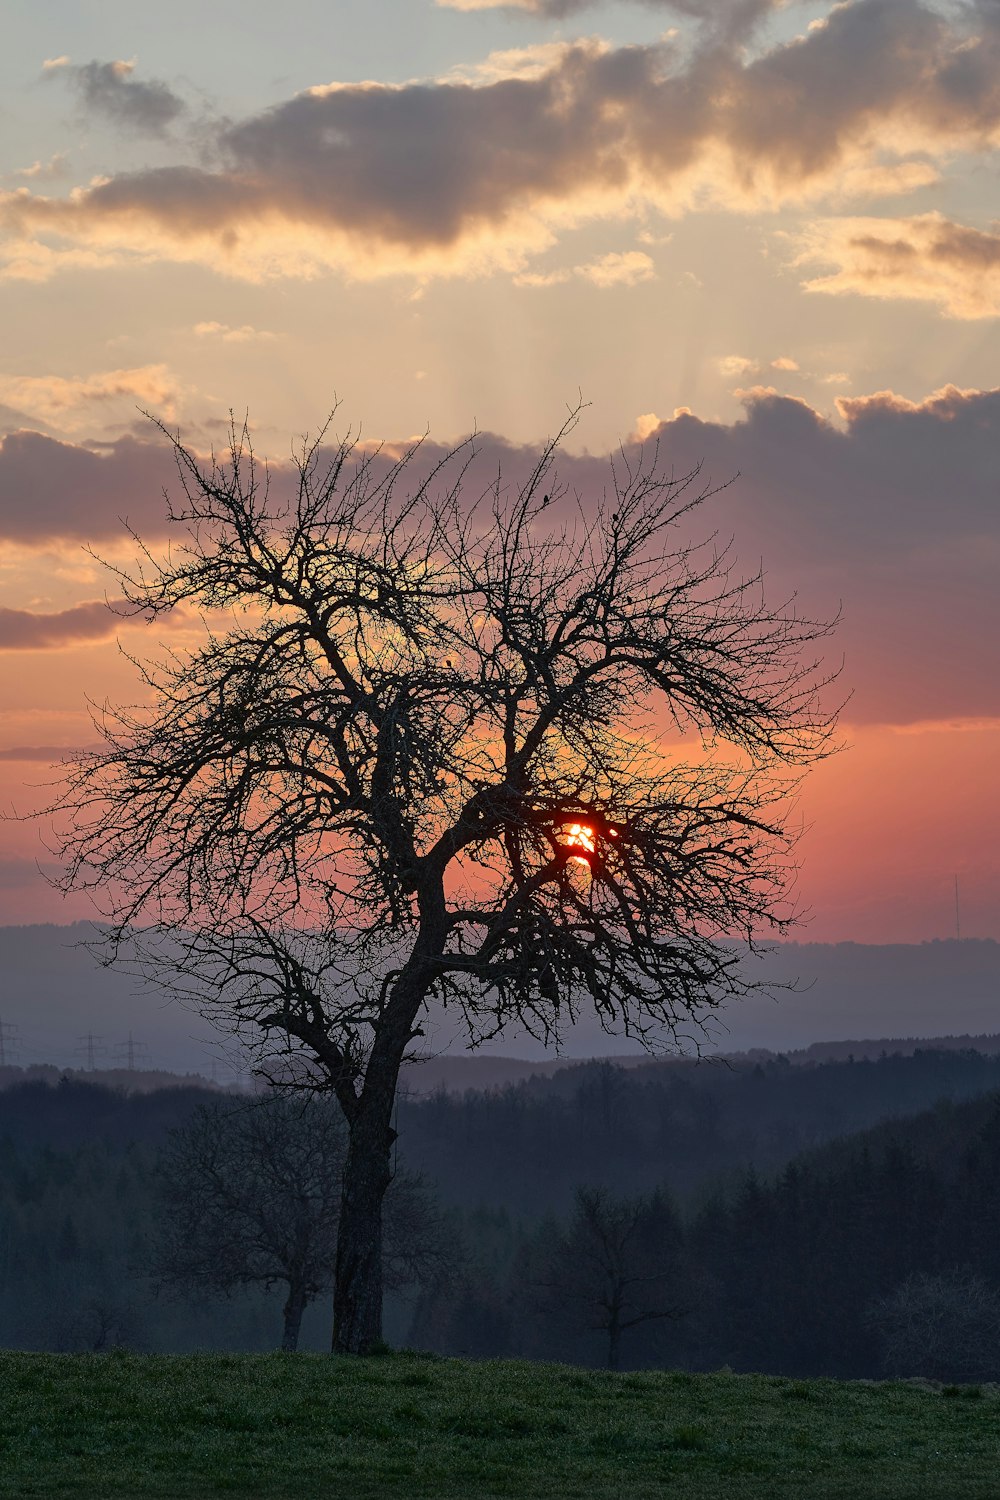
x: 619, y: 268
x: 72, y: 402
x: 245, y: 334
x: 928, y: 258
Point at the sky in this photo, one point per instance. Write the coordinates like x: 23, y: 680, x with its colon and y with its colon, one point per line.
x: 764, y: 236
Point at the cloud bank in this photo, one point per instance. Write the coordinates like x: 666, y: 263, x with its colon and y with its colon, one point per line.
x: 869, y: 512
x: 23, y: 630
x: 462, y: 177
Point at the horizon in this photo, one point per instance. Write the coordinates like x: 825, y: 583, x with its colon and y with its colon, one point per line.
x: 54, y: 995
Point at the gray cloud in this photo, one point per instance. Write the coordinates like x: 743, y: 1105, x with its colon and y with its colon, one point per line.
x: 856, y: 106
x: 895, y: 515
x: 22, y: 630
x: 108, y: 89
x: 718, y: 12
x: 51, y: 490
x: 893, y: 512
x: 48, y: 754
x: 730, y: 19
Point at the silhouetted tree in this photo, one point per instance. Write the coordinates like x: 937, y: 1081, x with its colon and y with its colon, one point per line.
x: 612, y: 1268
x: 424, y: 756
x: 251, y: 1196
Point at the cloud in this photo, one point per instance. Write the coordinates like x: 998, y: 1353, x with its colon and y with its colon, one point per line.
x: 784, y: 363
x: 109, y: 90
x: 52, y: 490
x: 741, y: 14
x: 72, y: 403
x: 21, y: 630
x: 553, y: 9
x: 928, y: 258
x: 619, y: 268
x: 51, y: 754
x: 52, y: 170
x: 32, y: 260
x: 470, y: 176
x: 626, y: 268
x: 890, y: 508
x: 243, y: 335
x: 894, y: 514
x: 731, y: 365
x: 516, y: 62
x: 646, y: 423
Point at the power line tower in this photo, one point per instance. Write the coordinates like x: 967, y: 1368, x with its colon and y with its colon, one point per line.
x: 90, y: 1046
x: 132, y: 1053
x: 8, y: 1042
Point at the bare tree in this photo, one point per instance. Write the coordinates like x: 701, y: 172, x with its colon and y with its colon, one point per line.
x: 613, y: 1268
x: 251, y: 1197
x: 944, y: 1326
x: 428, y: 750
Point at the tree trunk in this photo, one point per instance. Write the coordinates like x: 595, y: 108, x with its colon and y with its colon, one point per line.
x: 357, y: 1294
x: 293, y: 1310
x: 357, y: 1290
x: 614, y: 1335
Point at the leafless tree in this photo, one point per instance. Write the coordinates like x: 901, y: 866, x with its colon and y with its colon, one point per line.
x: 944, y: 1326
x: 251, y: 1197
x: 431, y: 749
x: 614, y: 1267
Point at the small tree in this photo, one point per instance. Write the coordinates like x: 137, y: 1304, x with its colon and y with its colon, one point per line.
x: 944, y: 1326
x: 433, y: 752
x: 251, y: 1197
x: 613, y: 1268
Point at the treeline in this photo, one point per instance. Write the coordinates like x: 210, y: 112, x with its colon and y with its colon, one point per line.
x: 874, y: 1257
x: 678, y: 1125
x: 662, y: 1216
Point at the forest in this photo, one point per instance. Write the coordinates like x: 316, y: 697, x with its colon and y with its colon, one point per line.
x: 826, y: 1218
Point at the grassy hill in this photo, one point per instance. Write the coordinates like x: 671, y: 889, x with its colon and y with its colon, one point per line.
x: 404, y: 1427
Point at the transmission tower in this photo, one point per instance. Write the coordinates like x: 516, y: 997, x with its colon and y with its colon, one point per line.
x: 132, y: 1053
x: 90, y: 1045
x: 8, y: 1042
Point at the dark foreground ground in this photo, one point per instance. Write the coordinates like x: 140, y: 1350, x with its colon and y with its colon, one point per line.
x: 407, y: 1426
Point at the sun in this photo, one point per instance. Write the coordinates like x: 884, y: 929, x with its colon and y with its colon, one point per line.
x: 581, y: 838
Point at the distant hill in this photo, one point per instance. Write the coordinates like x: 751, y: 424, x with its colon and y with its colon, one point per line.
x: 53, y: 995
x: 456, y: 1074
x: 677, y: 1123
x: 131, y: 1080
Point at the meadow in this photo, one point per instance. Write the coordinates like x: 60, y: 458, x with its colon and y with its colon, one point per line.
x: 409, y: 1426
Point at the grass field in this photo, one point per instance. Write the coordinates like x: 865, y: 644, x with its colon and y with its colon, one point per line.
x: 406, y: 1426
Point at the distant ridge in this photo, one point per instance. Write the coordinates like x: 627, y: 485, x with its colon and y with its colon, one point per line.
x: 904, y: 1046
x: 459, y: 1075
x: 831, y: 995
x: 132, y: 1080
